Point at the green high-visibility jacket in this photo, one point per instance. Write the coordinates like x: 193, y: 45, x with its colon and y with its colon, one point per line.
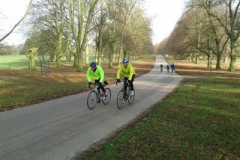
x: 98, y: 74
x: 128, y: 71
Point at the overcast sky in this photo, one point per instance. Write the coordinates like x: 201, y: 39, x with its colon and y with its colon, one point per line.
x: 165, y: 14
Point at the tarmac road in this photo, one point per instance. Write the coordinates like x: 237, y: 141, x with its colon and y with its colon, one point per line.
x: 58, y: 129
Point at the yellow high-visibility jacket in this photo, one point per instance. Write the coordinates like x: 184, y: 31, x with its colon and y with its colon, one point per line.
x: 128, y: 71
x: 98, y: 74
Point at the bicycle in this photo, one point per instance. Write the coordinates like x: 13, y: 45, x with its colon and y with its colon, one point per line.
x: 121, y: 99
x: 95, y: 96
x: 161, y: 69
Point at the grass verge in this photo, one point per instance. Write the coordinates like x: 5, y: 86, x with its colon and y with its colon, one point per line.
x: 201, y: 120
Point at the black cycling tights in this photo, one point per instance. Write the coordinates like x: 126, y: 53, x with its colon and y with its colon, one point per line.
x: 130, y: 83
x: 100, y: 86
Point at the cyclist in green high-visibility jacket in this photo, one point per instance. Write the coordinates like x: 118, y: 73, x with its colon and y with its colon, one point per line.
x: 98, y: 75
x: 129, y: 74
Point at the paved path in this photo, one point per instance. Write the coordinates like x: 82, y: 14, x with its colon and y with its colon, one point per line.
x: 57, y: 129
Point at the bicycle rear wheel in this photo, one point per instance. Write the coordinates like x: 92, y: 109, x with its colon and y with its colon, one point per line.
x: 120, y: 100
x: 92, y: 100
x: 131, y: 98
x: 107, y: 97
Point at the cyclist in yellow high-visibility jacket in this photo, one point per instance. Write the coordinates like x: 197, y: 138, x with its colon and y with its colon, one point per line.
x: 129, y: 74
x: 98, y: 75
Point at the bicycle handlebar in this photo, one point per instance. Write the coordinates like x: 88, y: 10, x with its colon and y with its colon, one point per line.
x: 96, y: 85
x: 120, y: 82
x: 116, y: 82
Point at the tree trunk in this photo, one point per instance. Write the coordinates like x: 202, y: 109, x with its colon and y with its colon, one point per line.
x: 208, y: 64
x: 72, y: 25
x: 80, y: 62
x: 32, y: 65
x: 59, y: 50
x: 192, y: 58
x: 70, y: 56
x: 67, y: 52
x: 100, y: 52
x: 31, y: 56
x: 87, y: 54
x: 59, y: 28
x: 233, y: 60
x: 218, y: 65
x: 196, y: 60
x: 82, y: 36
x: 209, y: 58
x: 111, y: 51
x: 125, y: 53
x: 52, y: 57
x: 75, y: 63
x: 96, y: 55
x: 218, y: 54
x: 120, y: 54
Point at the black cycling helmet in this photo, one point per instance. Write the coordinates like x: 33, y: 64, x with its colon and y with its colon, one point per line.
x: 93, y: 64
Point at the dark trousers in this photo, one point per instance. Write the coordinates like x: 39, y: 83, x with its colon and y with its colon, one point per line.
x: 100, y: 86
x: 130, y: 83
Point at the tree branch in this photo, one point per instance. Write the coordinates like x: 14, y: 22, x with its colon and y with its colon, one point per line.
x: 15, y: 26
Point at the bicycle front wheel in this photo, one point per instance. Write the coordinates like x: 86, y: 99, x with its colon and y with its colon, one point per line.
x: 107, y: 97
x: 120, y: 100
x: 92, y: 100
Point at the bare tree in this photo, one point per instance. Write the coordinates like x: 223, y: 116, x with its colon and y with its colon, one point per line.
x: 83, y: 30
x: 119, y: 25
x: 217, y: 35
x: 229, y: 20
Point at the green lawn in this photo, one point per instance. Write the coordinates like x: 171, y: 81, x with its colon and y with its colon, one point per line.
x: 200, y: 121
x: 21, y: 61
x: 14, y: 62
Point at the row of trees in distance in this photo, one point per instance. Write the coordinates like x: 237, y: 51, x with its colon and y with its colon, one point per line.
x: 68, y: 28
x: 209, y: 28
x: 6, y: 49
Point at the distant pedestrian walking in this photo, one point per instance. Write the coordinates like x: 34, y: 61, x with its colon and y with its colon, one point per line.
x: 161, y: 67
x: 168, y: 68
x: 172, y: 67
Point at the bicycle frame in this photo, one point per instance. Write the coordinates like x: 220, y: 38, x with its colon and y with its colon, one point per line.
x: 123, y: 86
x: 96, y: 90
x: 96, y: 96
x: 124, y: 95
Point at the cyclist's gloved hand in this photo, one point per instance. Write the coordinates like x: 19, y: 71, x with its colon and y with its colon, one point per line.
x: 89, y: 84
x: 118, y: 80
